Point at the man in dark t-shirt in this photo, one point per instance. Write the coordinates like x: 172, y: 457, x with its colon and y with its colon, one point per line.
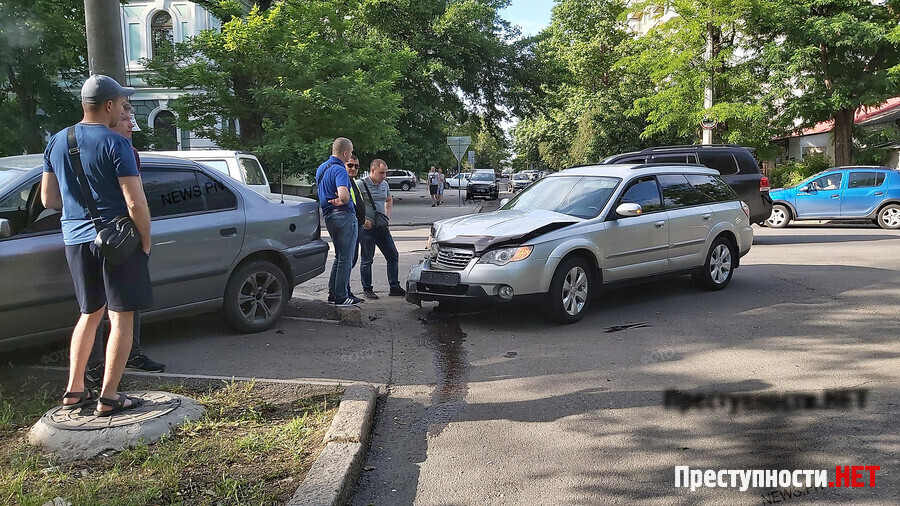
x: 115, y: 185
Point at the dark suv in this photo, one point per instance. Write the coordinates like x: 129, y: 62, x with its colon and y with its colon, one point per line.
x: 735, y: 163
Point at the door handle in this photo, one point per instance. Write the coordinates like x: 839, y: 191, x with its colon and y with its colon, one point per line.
x: 878, y: 194
x: 228, y: 232
x: 659, y: 224
x: 706, y: 217
x: 835, y: 196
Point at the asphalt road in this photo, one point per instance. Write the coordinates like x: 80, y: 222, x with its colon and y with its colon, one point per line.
x: 502, y: 407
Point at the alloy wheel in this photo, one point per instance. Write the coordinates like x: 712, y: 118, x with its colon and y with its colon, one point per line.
x: 574, y: 290
x: 720, y: 264
x: 260, y: 297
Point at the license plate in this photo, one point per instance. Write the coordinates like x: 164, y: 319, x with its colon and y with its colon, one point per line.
x: 439, y: 278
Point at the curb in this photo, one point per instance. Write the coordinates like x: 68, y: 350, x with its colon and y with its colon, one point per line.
x: 333, y: 475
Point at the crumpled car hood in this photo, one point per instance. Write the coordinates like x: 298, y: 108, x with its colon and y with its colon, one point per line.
x: 485, y: 230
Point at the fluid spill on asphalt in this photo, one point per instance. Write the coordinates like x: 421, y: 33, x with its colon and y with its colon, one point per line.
x: 451, y: 367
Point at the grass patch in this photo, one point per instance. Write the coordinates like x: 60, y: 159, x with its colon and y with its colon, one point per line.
x: 254, y: 445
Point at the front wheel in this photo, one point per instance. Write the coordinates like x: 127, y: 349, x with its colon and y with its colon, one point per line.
x: 256, y: 296
x: 780, y: 217
x: 405, y: 187
x: 718, y: 269
x: 569, y: 295
x: 889, y: 217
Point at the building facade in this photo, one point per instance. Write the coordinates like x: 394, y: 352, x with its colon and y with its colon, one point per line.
x: 150, y: 28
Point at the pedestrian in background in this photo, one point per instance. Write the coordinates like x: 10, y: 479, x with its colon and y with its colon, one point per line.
x: 114, y: 182
x: 340, y: 218
x: 433, y: 180
x: 442, y: 182
x: 136, y: 359
x: 376, y: 230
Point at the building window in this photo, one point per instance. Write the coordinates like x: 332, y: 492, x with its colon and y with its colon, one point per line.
x: 134, y: 41
x: 162, y: 36
x: 164, y: 130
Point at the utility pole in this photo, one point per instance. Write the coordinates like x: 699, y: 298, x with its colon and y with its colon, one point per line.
x: 708, y: 91
x: 106, y: 49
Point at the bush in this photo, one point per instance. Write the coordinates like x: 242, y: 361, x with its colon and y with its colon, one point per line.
x: 790, y: 173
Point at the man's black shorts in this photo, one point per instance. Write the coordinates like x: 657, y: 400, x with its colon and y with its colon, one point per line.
x: 433, y: 189
x: 124, y: 287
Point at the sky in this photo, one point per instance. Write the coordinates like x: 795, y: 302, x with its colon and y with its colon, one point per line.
x: 531, y: 16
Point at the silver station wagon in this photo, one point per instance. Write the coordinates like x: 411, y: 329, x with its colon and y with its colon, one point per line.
x: 572, y: 232
x: 216, y: 244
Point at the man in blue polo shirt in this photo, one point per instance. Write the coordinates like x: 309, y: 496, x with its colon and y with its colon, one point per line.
x: 340, y: 218
x: 115, y: 185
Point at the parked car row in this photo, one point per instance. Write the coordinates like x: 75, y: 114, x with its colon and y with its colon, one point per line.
x: 216, y: 244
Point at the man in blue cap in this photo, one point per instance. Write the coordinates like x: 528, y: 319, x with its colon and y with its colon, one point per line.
x: 115, y: 185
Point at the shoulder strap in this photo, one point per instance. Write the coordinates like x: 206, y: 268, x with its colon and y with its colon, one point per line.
x: 366, y: 186
x: 75, y: 159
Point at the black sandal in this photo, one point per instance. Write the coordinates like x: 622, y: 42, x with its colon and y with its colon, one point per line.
x: 118, y: 404
x: 84, y: 398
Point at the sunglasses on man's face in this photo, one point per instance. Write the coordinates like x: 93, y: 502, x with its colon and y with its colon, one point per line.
x: 353, y: 165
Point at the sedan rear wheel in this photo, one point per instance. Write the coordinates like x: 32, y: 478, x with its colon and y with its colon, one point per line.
x: 889, y: 217
x: 405, y: 187
x: 569, y: 294
x: 256, y: 296
x: 780, y: 217
x: 718, y: 269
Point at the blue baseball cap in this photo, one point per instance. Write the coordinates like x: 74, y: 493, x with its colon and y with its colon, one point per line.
x: 99, y: 89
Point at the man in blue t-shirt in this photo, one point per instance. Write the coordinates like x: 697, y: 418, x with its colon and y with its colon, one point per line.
x: 115, y: 185
x: 340, y: 218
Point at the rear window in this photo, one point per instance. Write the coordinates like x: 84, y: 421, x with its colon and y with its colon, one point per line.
x: 722, y: 161
x: 174, y: 192
x: 712, y: 188
x: 678, y: 192
x: 865, y: 179
x: 670, y: 158
x: 219, y: 165
x: 253, y: 173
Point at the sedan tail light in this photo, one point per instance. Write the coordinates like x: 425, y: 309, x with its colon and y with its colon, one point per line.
x: 764, y: 184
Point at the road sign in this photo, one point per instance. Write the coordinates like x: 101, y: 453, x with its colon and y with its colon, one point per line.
x: 459, y: 145
x: 472, y: 159
x: 708, y: 123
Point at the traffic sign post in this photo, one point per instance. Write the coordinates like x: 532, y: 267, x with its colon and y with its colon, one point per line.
x: 459, y: 145
x: 472, y: 159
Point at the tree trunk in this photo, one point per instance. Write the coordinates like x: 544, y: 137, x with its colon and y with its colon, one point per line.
x: 843, y: 137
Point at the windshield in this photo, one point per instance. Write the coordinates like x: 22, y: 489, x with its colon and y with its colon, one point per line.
x: 521, y: 176
x: 484, y: 176
x: 580, y: 196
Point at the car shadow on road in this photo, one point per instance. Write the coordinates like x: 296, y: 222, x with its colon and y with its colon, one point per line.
x: 788, y: 238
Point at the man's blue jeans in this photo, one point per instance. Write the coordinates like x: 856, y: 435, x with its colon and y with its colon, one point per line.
x: 343, y: 229
x: 359, y: 232
x: 385, y: 242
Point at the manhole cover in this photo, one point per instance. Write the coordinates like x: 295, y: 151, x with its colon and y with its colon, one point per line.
x: 156, y: 404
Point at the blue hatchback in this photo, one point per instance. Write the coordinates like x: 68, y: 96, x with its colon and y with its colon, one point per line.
x: 841, y: 193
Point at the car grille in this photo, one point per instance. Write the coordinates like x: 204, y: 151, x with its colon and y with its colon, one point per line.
x: 453, y: 258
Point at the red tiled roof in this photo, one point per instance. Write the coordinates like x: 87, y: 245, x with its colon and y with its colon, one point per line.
x: 862, y: 114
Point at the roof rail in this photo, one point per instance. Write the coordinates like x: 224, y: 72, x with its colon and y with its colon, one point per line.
x: 684, y: 146
x: 669, y: 164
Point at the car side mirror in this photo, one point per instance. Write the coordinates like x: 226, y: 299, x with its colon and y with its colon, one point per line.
x: 805, y: 189
x: 503, y: 202
x: 629, y: 210
x: 5, y: 229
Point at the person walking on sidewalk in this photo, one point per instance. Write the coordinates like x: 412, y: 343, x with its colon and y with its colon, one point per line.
x: 442, y: 182
x: 340, y: 218
x: 376, y: 230
x: 101, y: 169
x: 433, y: 180
x: 136, y: 359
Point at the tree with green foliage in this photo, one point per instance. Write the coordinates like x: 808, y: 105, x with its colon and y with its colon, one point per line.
x: 42, y: 43
x: 673, y: 56
x: 294, y: 75
x: 825, y: 59
x: 587, y: 118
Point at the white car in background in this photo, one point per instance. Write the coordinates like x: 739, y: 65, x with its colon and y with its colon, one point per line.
x: 459, y: 181
x: 240, y: 165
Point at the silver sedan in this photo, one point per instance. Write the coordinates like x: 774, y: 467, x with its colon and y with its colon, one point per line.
x: 567, y: 235
x: 216, y: 244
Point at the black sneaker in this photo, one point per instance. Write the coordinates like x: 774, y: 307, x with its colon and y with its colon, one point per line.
x: 350, y: 302
x: 396, y: 291
x: 143, y: 363
x: 370, y: 294
x: 331, y: 299
x: 93, y: 376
